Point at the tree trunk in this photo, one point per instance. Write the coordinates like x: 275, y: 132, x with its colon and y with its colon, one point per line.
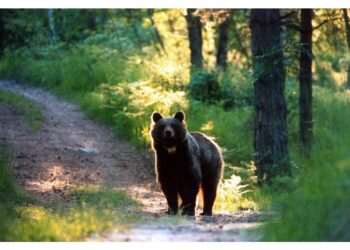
x: 91, y: 22
x: 3, y: 34
x: 270, y: 132
x: 221, y: 53
x: 347, y: 30
x: 305, y: 80
x: 156, y: 32
x: 238, y: 37
x: 51, y: 18
x: 195, y: 38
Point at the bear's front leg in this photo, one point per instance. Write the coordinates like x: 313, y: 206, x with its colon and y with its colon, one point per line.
x: 209, y: 195
x: 188, y: 195
x: 171, y: 195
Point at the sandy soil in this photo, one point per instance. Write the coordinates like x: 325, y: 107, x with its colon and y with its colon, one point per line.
x: 72, y: 151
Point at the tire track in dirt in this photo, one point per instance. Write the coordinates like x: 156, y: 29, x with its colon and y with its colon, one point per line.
x: 73, y: 151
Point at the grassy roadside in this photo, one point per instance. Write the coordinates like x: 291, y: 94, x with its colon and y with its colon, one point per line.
x: 27, y: 109
x: 90, y: 211
x: 23, y: 218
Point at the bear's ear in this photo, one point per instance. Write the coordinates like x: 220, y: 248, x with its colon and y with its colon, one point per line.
x: 180, y: 116
x: 156, y: 117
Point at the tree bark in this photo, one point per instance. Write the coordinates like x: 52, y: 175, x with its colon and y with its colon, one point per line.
x: 91, y: 21
x: 156, y: 32
x: 195, y: 39
x: 347, y: 30
x: 51, y: 17
x: 3, y: 32
x: 221, y: 53
x: 305, y: 80
x: 270, y: 133
x: 238, y: 37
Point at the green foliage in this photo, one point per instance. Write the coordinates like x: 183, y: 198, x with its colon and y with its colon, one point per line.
x: 29, y: 110
x: 213, y: 120
x: 18, y: 30
x: 316, y: 207
x: 204, y: 87
x: 221, y: 88
x: 9, y: 191
x: 36, y: 222
x: 236, y: 88
x: 231, y: 196
x: 6, y: 184
x: 102, y: 198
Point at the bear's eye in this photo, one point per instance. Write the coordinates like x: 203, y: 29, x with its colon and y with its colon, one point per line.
x: 161, y: 126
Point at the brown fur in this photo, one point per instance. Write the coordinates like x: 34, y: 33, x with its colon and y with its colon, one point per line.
x: 184, y: 163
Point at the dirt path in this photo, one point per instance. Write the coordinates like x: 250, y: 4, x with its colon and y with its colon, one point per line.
x: 72, y: 151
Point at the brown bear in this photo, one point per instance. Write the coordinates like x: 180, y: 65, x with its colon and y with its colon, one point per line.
x: 184, y: 163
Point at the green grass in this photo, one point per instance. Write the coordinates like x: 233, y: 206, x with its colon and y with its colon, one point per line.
x: 23, y: 218
x: 72, y: 222
x: 27, y: 109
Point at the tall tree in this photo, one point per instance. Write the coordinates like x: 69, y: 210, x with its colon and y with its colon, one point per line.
x: 305, y: 80
x: 91, y: 21
x: 270, y: 132
x: 240, y: 40
x: 51, y: 17
x: 347, y: 30
x: 194, y: 26
x: 158, y: 38
x: 3, y: 32
x: 221, y: 53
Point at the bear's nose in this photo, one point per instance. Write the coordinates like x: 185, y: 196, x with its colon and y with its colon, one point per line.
x: 168, y: 133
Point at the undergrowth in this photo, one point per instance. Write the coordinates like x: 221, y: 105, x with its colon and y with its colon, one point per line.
x: 29, y: 110
x: 317, y: 208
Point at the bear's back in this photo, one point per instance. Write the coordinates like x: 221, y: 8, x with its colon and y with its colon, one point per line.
x: 209, y: 151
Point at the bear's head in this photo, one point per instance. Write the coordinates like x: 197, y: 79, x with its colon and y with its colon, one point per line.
x: 168, y: 133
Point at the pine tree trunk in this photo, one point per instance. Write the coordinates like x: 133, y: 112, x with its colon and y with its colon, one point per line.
x: 195, y: 38
x: 305, y: 80
x: 51, y: 17
x: 156, y: 32
x: 270, y: 132
x: 221, y: 54
x: 2, y: 31
x: 347, y: 30
x: 91, y: 22
x: 238, y: 37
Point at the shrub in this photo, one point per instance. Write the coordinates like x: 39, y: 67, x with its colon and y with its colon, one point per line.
x: 204, y: 86
x: 221, y: 88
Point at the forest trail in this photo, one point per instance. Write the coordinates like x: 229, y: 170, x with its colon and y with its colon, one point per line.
x: 73, y: 151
